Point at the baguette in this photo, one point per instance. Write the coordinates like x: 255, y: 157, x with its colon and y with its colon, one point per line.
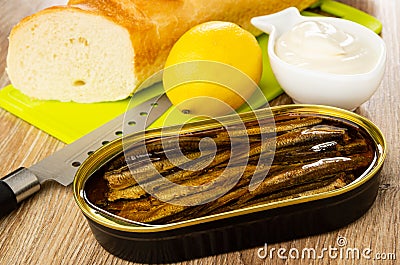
x: 102, y: 50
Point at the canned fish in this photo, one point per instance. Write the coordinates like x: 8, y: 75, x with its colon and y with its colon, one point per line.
x: 232, y: 185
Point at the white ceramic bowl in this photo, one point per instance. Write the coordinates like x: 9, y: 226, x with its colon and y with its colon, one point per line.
x: 346, y: 91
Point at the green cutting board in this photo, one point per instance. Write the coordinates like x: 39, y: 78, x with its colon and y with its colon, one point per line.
x: 68, y: 121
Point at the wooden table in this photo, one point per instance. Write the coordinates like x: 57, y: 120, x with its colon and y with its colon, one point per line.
x: 50, y: 229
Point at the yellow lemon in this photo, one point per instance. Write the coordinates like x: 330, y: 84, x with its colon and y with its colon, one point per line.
x: 212, y: 69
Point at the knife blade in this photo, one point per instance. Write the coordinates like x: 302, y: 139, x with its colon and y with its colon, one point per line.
x: 64, y: 163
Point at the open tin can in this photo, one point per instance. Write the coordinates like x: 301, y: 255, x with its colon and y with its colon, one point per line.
x: 241, y: 228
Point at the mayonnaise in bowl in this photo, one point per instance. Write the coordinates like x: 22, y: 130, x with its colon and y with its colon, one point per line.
x: 323, y: 60
x: 319, y: 45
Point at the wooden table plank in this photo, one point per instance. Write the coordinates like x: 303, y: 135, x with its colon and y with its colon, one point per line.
x: 49, y: 228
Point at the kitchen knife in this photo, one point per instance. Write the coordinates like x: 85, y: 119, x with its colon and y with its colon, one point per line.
x: 63, y: 164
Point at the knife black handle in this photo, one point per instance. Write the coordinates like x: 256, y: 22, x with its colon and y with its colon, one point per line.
x: 16, y: 187
x: 8, y: 200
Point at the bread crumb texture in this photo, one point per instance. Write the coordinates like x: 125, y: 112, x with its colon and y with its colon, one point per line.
x: 62, y: 56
